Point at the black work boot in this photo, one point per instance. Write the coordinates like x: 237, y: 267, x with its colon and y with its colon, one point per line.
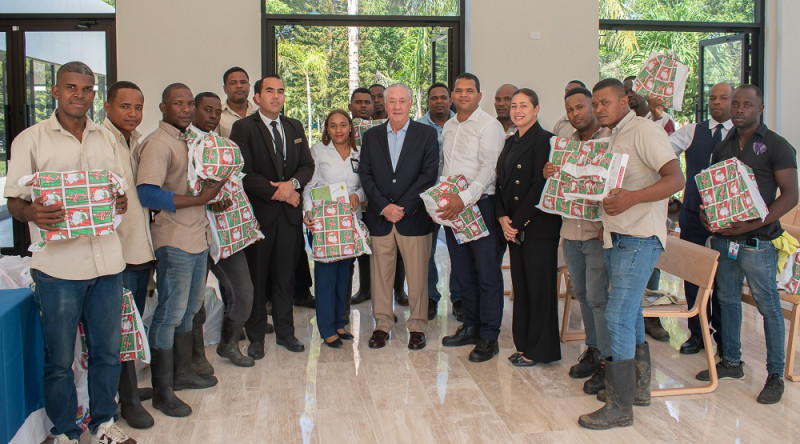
x: 464, y: 335
x: 130, y: 405
x: 184, y: 377
x: 586, y: 365
x: 164, y: 399
x: 229, y: 345
x: 200, y: 364
x: 641, y: 397
x: 618, y: 411
x: 485, y: 350
x: 597, y: 382
x: 653, y: 327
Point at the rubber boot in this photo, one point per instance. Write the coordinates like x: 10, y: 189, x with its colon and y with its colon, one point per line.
x: 229, y: 345
x: 200, y: 364
x: 641, y: 397
x: 164, y: 399
x: 618, y: 411
x: 129, y: 404
x: 184, y: 376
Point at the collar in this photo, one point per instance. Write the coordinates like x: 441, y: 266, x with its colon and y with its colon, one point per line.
x: 599, y: 134
x: 404, y: 128
x: 267, y: 121
x: 728, y: 124
x: 52, y: 123
x: 197, y: 130
x: 135, y: 135
x: 473, y: 116
x: 761, y: 131
x: 171, y: 130
x: 624, y: 121
x: 427, y: 118
x: 251, y: 107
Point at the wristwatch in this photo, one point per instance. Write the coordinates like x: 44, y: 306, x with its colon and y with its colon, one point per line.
x: 296, y: 183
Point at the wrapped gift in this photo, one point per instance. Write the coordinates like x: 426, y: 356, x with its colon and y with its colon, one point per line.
x: 211, y: 156
x: 133, y: 343
x: 234, y: 228
x: 664, y: 77
x: 338, y: 234
x: 469, y: 224
x: 789, y: 277
x: 88, y: 198
x: 730, y: 194
x: 360, y: 126
x: 336, y: 192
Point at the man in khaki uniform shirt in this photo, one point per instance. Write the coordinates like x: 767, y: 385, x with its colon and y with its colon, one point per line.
x: 76, y: 279
x: 634, y: 235
x: 236, y: 85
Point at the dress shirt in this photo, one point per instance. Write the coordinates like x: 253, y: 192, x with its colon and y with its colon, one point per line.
x: 47, y: 146
x: 330, y: 168
x: 426, y: 119
x: 471, y: 148
x: 581, y: 229
x: 267, y: 121
x: 682, y: 139
x: 396, y: 141
x: 229, y: 117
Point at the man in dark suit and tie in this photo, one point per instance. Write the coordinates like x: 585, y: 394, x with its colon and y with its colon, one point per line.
x: 277, y: 164
x: 399, y: 160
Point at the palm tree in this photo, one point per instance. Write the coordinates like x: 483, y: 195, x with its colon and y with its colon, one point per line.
x: 306, y: 59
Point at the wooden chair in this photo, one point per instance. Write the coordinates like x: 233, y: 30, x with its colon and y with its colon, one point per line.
x: 563, y: 281
x: 695, y: 264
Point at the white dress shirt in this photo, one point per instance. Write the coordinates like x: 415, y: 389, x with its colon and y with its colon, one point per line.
x: 471, y: 148
x: 267, y: 121
x: 330, y: 168
x: 682, y: 139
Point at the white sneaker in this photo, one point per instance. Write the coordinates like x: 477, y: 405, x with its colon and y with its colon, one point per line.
x: 109, y: 433
x: 64, y: 439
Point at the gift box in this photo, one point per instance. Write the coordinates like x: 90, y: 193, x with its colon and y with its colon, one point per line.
x: 789, y: 277
x: 360, y: 126
x: 234, y: 228
x: 133, y: 343
x: 664, y: 77
x: 88, y: 198
x: 336, y: 192
x: 469, y: 224
x: 730, y: 194
x: 337, y: 234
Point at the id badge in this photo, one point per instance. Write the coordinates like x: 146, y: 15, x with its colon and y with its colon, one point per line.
x: 733, y: 250
x: 354, y: 164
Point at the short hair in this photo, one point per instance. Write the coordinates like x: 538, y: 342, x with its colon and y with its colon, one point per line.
x: 629, y: 78
x: 259, y: 82
x: 575, y: 91
x: 111, y: 94
x: 172, y: 87
x: 233, y: 70
x: 610, y: 83
x: 400, y: 85
x: 751, y: 87
x: 530, y: 93
x: 376, y: 84
x: 326, y: 137
x: 437, y: 85
x: 583, y: 85
x: 469, y: 76
x: 205, y: 94
x: 74, y: 67
x: 359, y: 90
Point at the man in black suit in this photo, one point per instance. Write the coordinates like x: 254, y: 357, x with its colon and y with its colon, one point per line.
x: 277, y: 164
x: 399, y: 160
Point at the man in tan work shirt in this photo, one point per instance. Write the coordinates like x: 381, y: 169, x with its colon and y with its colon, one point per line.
x: 236, y: 85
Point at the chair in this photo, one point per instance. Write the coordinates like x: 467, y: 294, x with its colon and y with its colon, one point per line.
x: 695, y: 264
x: 563, y: 281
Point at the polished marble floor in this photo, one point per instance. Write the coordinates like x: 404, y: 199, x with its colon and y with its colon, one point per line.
x: 393, y: 395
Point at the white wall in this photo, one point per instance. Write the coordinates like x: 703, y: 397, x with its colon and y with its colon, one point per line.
x: 782, y: 69
x: 499, y: 48
x: 161, y: 42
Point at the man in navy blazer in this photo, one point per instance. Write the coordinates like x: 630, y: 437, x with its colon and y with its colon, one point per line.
x: 399, y: 160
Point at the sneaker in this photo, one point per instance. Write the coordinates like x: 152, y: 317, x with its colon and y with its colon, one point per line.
x: 64, y: 439
x: 773, y: 389
x: 109, y: 433
x: 725, y: 370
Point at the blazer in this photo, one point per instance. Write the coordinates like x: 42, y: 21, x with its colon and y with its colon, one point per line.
x: 417, y: 170
x: 260, y: 166
x: 520, y: 187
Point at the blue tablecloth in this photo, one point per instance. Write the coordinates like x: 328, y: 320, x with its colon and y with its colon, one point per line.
x: 21, y: 360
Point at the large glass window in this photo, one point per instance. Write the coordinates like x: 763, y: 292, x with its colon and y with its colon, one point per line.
x: 740, y: 11
x: 57, y: 6
x: 364, y: 7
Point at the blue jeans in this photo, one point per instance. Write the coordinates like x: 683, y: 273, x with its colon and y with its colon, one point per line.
x: 433, y: 275
x: 181, y: 283
x: 759, y: 266
x: 136, y: 281
x: 97, y: 303
x: 587, y: 271
x: 332, y: 291
x: 630, y: 264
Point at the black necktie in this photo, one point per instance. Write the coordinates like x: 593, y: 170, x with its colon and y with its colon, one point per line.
x: 277, y: 139
x: 716, y: 138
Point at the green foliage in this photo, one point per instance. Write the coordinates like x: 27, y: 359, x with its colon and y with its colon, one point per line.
x: 111, y: 2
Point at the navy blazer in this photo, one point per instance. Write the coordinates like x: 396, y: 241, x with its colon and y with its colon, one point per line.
x: 417, y: 170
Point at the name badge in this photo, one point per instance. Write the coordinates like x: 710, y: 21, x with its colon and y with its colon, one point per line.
x: 733, y: 250
x: 298, y: 140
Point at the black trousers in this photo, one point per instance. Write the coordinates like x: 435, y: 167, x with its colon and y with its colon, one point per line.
x: 533, y: 273
x: 693, y: 231
x: 272, y: 262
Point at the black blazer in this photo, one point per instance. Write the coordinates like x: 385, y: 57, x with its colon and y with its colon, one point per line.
x: 255, y: 141
x: 417, y: 170
x: 520, y: 187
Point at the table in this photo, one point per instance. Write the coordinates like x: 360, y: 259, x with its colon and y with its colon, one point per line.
x: 21, y: 361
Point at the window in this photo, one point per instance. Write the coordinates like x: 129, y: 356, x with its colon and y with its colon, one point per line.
x: 365, y: 7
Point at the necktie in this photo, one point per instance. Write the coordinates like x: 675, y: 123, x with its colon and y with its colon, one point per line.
x: 277, y: 139
x: 716, y: 138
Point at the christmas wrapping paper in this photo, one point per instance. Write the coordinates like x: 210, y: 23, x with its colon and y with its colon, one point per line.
x: 235, y: 227
x: 664, y: 77
x: 789, y: 277
x: 362, y: 125
x: 133, y: 344
x: 338, y: 234
x: 88, y: 198
x: 469, y: 225
x: 730, y: 194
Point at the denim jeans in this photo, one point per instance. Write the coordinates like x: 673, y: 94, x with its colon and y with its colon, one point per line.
x: 759, y: 266
x: 630, y: 264
x: 136, y: 281
x: 181, y: 282
x: 332, y: 291
x: 97, y: 303
x: 587, y: 271
x: 433, y: 275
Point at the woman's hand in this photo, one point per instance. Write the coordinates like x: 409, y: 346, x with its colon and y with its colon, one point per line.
x: 509, y: 232
x: 354, y: 202
x: 308, y: 221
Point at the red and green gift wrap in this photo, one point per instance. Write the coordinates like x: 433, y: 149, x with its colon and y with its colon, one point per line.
x: 88, y: 198
x: 214, y: 157
x: 469, y: 224
x: 234, y: 228
x: 789, y: 277
x: 664, y: 77
x: 730, y: 194
x: 133, y: 343
x: 362, y: 125
x: 338, y: 233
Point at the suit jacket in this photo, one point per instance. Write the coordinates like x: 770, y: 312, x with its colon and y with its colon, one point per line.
x: 260, y: 165
x: 417, y: 170
x: 520, y: 187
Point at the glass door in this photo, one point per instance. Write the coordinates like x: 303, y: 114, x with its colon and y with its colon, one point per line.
x: 722, y: 59
x: 440, y: 60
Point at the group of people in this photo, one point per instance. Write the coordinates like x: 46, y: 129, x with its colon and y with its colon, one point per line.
x: 505, y: 161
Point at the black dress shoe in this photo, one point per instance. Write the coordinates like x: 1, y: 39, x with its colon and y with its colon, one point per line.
x: 416, y: 341
x: 378, y: 339
x: 484, y: 351
x: 433, y: 306
x: 464, y: 335
x: 457, y: 311
x: 336, y: 343
x: 291, y: 344
x: 692, y: 345
x: 361, y: 296
x: 401, y: 297
x: 307, y: 301
x: 345, y: 336
x: 256, y: 350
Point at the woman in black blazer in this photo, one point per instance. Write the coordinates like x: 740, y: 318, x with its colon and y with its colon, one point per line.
x: 532, y: 235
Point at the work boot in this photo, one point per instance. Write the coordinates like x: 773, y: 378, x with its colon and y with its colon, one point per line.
x: 464, y: 335
x: 641, y: 360
x: 200, y: 364
x: 228, y: 345
x: 164, y: 399
x: 597, y: 382
x: 184, y: 377
x: 129, y: 404
x: 586, y: 365
x: 618, y: 411
x: 652, y: 326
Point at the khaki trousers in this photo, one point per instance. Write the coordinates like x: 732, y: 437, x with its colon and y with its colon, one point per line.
x: 415, y: 251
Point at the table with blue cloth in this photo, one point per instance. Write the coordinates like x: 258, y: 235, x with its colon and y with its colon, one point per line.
x: 21, y: 360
